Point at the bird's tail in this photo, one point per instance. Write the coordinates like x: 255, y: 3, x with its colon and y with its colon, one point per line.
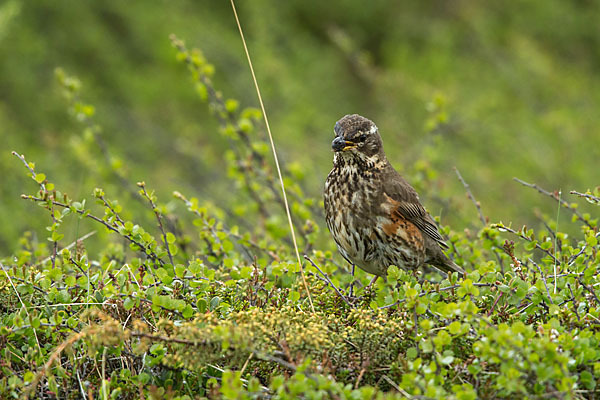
x: 447, y: 265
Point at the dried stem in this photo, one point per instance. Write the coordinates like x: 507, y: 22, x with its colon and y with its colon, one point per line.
x: 275, y: 158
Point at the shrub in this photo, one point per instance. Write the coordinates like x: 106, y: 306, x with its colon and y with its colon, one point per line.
x: 216, y: 308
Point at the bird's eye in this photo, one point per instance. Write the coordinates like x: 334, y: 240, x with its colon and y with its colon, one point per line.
x: 361, y: 138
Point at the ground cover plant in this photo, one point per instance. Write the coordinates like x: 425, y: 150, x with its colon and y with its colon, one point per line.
x: 202, y: 301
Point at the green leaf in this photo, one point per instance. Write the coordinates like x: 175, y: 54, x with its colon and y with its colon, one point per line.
x: 39, y: 178
x: 214, y: 302
x: 294, y: 296
x: 411, y: 353
x: 128, y: 303
x: 202, y: 305
x: 171, y: 238
x: 56, y: 236
x: 231, y: 105
x: 164, y: 276
x: 447, y: 360
x: 454, y: 328
x: 246, y: 272
x: 180, y: 270
x: 188, y: 311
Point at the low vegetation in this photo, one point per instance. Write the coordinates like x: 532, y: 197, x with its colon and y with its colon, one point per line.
x: 209, y: 302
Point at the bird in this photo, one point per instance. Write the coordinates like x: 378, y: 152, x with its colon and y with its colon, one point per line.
x: 372, y: 212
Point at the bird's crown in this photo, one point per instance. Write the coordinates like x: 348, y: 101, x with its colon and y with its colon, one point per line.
x: 353, y: 126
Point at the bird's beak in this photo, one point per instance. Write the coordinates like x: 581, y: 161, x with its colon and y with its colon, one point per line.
x: 339, y: 144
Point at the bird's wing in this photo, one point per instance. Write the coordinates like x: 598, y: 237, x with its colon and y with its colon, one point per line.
x: 403, y: 200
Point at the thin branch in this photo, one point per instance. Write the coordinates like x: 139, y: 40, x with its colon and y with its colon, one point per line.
x: 69, y: 247
x: 307, y: 258
x: 556, y: 196
x: 519, y: 234
x: 75, y: 263
x: 444, y: 289
x: 479, y: 211
x: 573, y: 301
x: 33, y: 174
x: 495, y: 302
x: 44, y: 195
x: 589, y: 197
x: 470, y: 195
x: 158, y: 218
x: 23, y: 305
x: 143, y: 248
x: 556, y: 242
x: 39, y: 289
x: 543, y: 279
x: 589, y: 289
x: 239, y: 238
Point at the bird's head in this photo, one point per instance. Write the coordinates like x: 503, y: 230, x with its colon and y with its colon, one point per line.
x: 357, y: 138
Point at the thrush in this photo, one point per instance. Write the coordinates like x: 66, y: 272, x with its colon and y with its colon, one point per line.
x: 372, y: 212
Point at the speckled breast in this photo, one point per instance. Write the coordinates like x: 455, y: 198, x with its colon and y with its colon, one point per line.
x: 348, y: 197
x: 365, y: 234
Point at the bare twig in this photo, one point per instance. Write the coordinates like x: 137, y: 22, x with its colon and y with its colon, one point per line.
x: 307, y: 258
x: 479, y: 211
x: 556, y: 196
x: 543, y: 279
x: 143, y: 248
x: 470, y: 195
x: 573, y: 301
x: 519, y: 234
x: 158, y: 218
x: 69, y: 247
x: 589, y: 197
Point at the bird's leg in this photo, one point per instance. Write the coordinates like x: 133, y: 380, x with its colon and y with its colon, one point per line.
x: 373, y: 281
x: 352, y: 283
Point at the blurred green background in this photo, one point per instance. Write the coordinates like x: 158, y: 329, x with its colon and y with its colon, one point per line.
x: 498, y: 89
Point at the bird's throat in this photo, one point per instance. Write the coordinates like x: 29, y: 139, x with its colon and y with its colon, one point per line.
x: 358, y: 161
